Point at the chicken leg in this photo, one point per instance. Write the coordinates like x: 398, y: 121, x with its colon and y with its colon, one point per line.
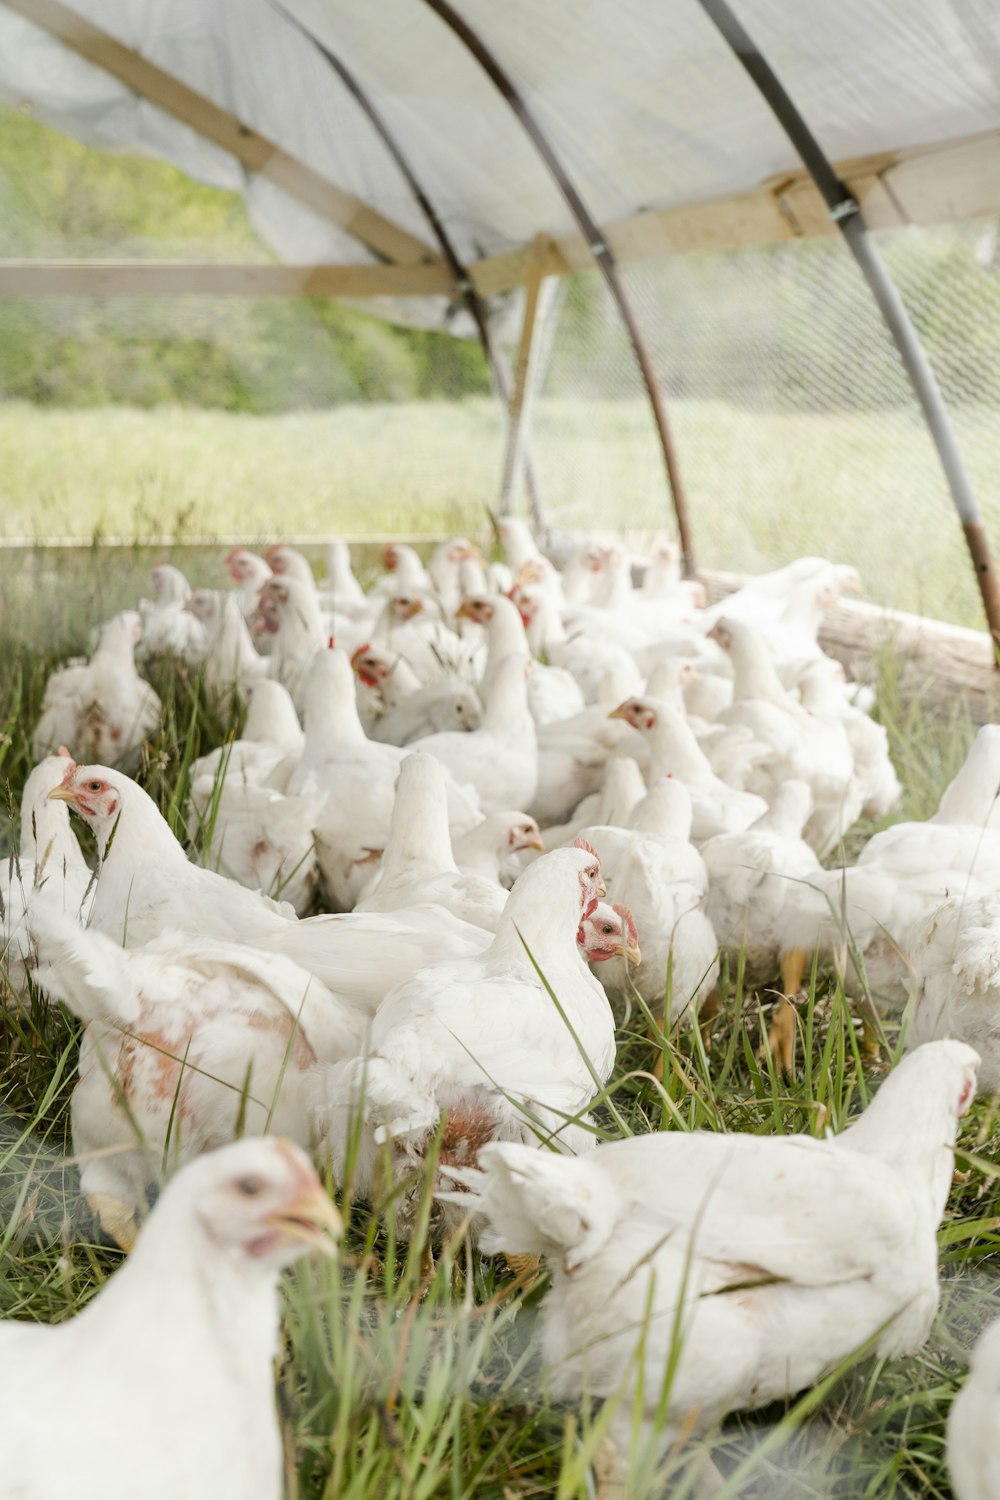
x: 781, y: 1036
x: 524, y: 1267
x: 610, y: 1471
x: 116, y: 1218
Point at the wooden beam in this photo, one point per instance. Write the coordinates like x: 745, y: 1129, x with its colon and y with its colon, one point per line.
x: 180, y: 279
x: 223, y: 129
x: 524, y: 374
x: 936, y: 184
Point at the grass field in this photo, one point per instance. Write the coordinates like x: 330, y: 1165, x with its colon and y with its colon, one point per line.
x: 414, y: 1389
x: 764, y: 488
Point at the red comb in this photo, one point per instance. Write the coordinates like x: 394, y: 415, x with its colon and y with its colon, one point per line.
x: 582, y: 844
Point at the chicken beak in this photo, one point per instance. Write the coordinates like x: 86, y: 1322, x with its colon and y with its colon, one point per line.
x: 536, y: 843
x: 310, y: 1218
x: 62, y: 793
x: 630, y: 953
x: 619, y: 712
x: 602, y: 890
x: 463, y: 612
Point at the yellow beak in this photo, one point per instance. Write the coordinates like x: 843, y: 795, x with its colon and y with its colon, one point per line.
x: 535, y: 843
x: 602, y: 889
x: 310, y: 1218
x: 618, y: 713
x: 463, y: 612
x: 630, y: 953
x: 61, y: 793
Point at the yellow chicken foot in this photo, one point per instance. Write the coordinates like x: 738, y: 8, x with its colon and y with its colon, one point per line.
x: 782, y: 1033
x: 116, y: 1218
x: 524, y: 1267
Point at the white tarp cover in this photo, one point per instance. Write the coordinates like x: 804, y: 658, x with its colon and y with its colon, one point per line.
x: 641, y: 99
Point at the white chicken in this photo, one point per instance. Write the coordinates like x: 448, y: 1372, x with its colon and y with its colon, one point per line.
x: 163, y: 1385
x: 250, y: 573
x: 955, y: 952
x: 805, y: 745
x: 973, y: 1448
x: 674, y: 751
x: 102, y: 709
x: 553, y: 693
x: 490, y: 848
x: 272, y: 737
x: 481, y: 1042
x: 757, y: 1263
x: 232, y: 661
x: 49, y: 861
x: 652, y: 868
x: 288, y: 612
x: 418, y: 865
x: 405, y: 709
x: 147, y: 885
x: 186, y: 1045
x: 358, y: 776
x: 258, y: 836
x: 500, y: 758
x: 753, y: 874
x: 168, y: 629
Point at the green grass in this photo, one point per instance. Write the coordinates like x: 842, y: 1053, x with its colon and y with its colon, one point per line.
x: 764, y: 488
x: 394, y: 1385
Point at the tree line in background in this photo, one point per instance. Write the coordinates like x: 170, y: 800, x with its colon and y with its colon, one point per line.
x: 789, y: 327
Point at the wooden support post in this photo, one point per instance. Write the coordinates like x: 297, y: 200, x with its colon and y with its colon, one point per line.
x: 527, y: 360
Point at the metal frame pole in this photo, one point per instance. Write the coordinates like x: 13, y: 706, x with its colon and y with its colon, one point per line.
x: 524, y: 374
x: 600, y: 250
x: 474, y: 304
x: 846, y: 214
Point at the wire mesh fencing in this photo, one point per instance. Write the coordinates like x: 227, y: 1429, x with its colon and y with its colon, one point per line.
x: 796, y: 427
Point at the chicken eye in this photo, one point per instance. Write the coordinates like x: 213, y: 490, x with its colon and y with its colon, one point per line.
x: 250, y: 1186
x: 94, y: 786
x: 607, y: 928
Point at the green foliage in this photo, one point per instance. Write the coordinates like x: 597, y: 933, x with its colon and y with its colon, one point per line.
x: 61, y: 199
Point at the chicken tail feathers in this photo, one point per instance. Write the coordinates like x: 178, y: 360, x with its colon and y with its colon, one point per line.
x: 537, y: 1203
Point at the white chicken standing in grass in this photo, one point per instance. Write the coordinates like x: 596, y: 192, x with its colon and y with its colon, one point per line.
x: 482, y: 1044
x: 974, y: 1424
x: 774, y: 1258
x: 753, y: 875
x: 186, y: 1046
x: 103, y: 710
x: 163, y: 1386
x: 49, y: 863
x: 146, y: 884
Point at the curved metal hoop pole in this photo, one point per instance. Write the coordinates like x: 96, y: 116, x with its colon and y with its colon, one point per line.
x: 599, y: 249
x: 473, y: 302
x: 846, y: 214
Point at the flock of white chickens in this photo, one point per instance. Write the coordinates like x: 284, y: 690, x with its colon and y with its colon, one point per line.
x: 512, y: 791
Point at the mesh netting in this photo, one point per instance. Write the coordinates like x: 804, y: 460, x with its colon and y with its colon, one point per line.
x: 796, y: 427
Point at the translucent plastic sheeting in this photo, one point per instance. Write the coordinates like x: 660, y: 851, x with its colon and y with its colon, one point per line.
x: 640, y: 98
